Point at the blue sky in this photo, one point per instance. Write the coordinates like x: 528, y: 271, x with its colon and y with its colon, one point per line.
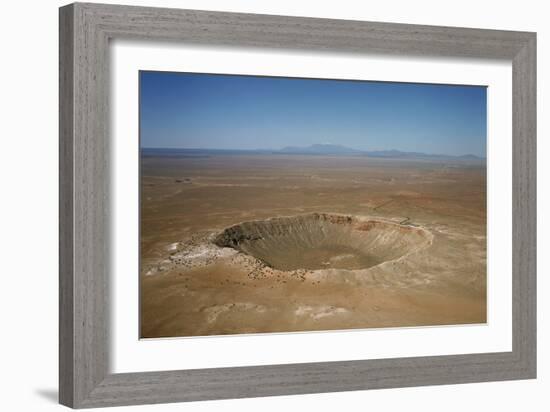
x: 185, y: 110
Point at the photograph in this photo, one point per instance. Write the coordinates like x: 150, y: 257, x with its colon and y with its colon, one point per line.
x: 279, y: 204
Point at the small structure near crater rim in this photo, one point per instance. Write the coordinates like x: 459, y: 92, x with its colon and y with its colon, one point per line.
x: 318, y: 241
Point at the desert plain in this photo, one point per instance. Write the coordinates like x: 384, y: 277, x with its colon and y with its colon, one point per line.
x: 260, y: 243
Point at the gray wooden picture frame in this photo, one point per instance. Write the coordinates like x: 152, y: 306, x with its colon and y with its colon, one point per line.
x: 85, y: 31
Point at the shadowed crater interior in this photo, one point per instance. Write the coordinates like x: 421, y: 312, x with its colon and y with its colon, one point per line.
x: 323, y: 241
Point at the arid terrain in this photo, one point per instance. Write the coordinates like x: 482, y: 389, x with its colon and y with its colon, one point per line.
x: 260, y: 243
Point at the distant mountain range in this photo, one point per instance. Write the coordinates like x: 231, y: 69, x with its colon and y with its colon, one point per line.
x: 314, y: 149
x: 332, y: 149
x: 396, y: 154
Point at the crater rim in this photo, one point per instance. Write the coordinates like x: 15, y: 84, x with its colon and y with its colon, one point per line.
x: 345, y: 242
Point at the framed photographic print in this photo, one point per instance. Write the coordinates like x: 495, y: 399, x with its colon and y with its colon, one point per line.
x: 258, y: 205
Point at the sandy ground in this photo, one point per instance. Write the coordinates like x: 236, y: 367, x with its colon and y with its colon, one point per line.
x: 192, y: 287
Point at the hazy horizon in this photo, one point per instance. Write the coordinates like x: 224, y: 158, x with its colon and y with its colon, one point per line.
x: 230, y: 112
x: 298, y: 147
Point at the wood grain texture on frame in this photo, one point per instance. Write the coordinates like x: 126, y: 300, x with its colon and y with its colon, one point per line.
x: 85, y: 31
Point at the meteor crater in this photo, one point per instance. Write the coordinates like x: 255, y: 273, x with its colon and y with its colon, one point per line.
x: 319, y: 241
